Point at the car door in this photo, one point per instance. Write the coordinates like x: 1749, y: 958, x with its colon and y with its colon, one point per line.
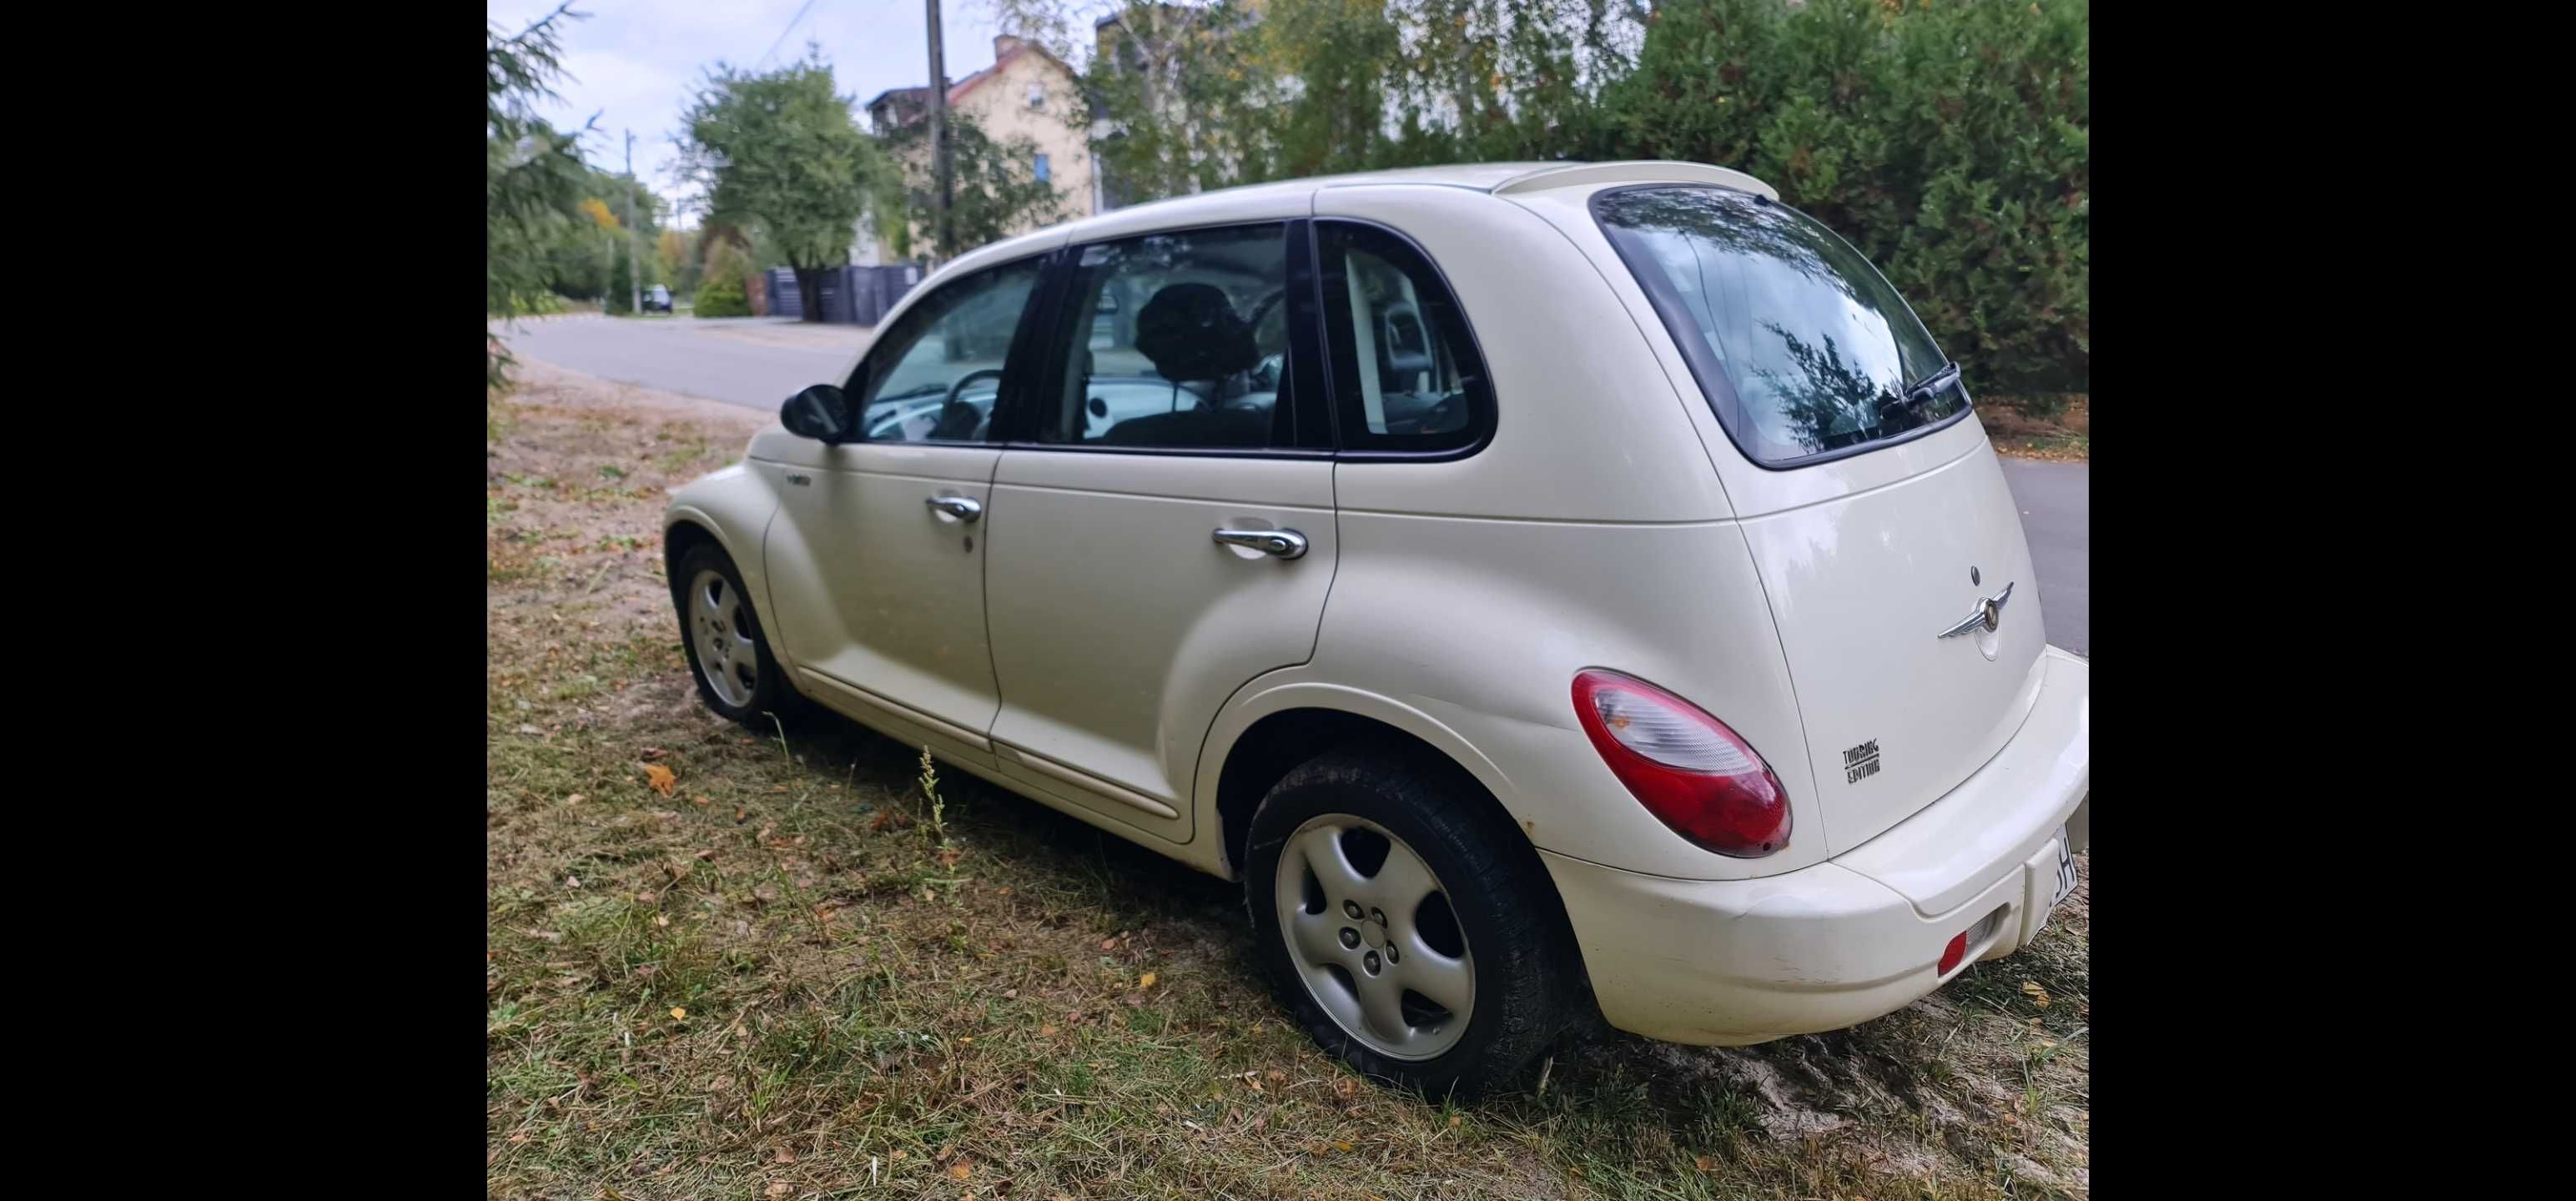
x: 1162, y: 519
x: 876, y: 556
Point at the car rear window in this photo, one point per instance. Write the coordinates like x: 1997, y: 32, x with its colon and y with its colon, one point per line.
x: 1801, y: 347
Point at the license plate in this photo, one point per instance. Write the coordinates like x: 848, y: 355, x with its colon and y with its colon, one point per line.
x: 2065, y: 879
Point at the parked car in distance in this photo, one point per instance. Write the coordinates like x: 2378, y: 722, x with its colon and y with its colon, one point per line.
x: 1557, y: 592
x: 657, y: 299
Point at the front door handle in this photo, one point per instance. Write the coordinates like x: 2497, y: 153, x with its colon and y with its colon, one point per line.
x: 963, y: 508
x: 1283, y: 544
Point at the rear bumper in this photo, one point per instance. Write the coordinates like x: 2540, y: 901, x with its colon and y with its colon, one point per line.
x: 1728, y: 962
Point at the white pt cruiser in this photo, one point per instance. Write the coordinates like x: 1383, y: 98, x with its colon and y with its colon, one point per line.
x: 1551, y: 589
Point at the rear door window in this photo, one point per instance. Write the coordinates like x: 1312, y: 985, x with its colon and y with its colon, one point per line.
x: 1803, y: 349
x: 1176, y: 341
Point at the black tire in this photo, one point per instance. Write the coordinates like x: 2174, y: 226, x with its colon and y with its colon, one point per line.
x: 1528, y: 975
x: 771, y: 693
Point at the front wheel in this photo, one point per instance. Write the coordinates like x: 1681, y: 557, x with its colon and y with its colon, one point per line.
x: 1403, y: 923
x: 737, y: 675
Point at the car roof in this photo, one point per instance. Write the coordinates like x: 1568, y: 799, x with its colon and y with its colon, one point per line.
x: 1498, y: 179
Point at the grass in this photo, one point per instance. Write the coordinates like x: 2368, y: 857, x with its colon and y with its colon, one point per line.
x: 807, y: 966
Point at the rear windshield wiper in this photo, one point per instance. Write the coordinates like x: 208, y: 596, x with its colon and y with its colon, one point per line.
x: 1941, y: 380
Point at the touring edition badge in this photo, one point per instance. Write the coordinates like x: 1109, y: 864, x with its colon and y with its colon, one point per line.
x: 1860, y: 762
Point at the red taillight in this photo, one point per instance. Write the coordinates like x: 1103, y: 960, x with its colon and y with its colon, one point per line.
x: 1686, y: 767
x: 1952, y: 954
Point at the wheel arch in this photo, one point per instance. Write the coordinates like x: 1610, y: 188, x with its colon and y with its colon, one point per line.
x: 729, y: 508
x: 1258, y: 740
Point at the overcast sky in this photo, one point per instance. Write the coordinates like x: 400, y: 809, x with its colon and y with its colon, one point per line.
x: 637, y: 62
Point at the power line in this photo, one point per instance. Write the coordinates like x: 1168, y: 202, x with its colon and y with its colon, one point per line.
x: 782, y: 34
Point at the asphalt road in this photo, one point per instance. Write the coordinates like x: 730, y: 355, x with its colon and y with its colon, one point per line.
x: 758, y: 362
x: 2056, y: 501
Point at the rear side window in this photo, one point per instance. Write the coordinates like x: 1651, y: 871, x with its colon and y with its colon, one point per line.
x: 1178, y: 341
x: 1406, y: 373
x: 1801, y: 347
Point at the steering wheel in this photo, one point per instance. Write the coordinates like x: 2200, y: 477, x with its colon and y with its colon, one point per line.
x: 959, y: 421
x: 958, y: 389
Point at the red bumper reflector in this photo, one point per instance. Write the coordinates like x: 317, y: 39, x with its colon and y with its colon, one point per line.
x: 1952, y: 954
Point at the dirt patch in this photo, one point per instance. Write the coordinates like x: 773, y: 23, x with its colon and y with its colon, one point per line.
x: 2056, y: 428
x: 726, y: 963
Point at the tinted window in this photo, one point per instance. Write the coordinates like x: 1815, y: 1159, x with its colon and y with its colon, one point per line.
x: 1801, y: 346
x: 1178, y: 340
x: 1406, y: 375
x: 933, y: 376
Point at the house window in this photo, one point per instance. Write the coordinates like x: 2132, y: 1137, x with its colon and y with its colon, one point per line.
x: 1037, y: 95
x: 1042, y: 166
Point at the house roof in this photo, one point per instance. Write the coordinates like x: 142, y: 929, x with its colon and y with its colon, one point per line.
x: 958, y: 90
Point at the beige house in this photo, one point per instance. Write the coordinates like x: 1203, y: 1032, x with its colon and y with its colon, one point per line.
x: 1026, y: 94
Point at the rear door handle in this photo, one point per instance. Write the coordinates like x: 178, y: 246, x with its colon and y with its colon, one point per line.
x: 963, y: 508
x: 1283, y: 544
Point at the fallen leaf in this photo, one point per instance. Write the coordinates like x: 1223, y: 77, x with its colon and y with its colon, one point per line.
x: 660, y: 778
x: 897, y: 1155
x: 2038, y: 996
x: 1010, y: 994
x: 776, y: 1190
x: 1705, y: 1163
x: 1046, y: 1031
x: 1342, y: 1146
x: 708, y: 853
x: 786, y: 1155
x: 1276, y: 1075
x: 575, y: 799
x: 1109, y: 944
x: 741, y: 815
x: 701, y: 800
x: 1145, y: 981
x: 661, y: 919
x: 949, y: 858
x: 678, y: 1014
x: 1455, y: 1120
x: 520, y: 1137
x: 961, y: 1170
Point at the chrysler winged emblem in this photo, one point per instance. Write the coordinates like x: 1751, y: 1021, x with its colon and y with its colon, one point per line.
x: 1989, y: 613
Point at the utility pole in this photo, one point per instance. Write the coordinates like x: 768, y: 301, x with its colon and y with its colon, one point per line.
x: 940, y: 241
x: 634, y: 258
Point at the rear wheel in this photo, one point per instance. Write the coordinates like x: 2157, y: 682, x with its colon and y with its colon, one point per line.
x: 1399, y: 922
x: 737, y: 675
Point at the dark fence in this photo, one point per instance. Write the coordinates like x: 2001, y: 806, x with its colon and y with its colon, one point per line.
x: 783, y: 298
x: 843, y: 295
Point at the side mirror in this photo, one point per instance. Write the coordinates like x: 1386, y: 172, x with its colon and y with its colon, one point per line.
x: 820, y: 413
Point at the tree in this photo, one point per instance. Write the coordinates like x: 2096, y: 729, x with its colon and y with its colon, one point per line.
x: 1948, y: 139
x: 533, y: 173
x: 994, y: 190
x: 780, y: 151
x: 621, y: 274
x: 674, y: 253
